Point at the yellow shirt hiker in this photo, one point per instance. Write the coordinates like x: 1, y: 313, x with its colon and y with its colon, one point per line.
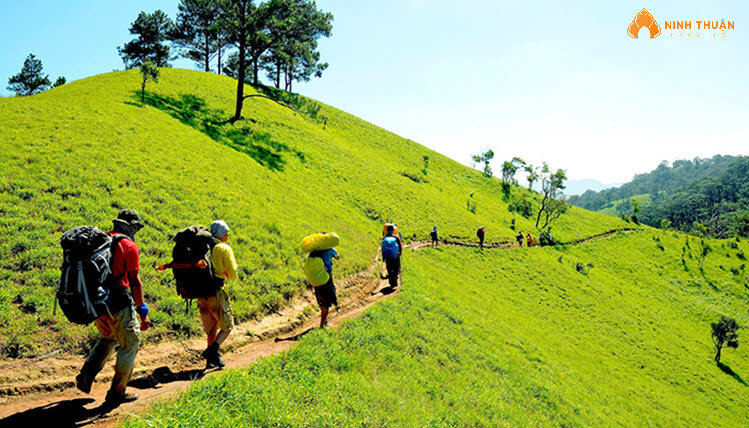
x: 223, y: 261
x: 215, y: 311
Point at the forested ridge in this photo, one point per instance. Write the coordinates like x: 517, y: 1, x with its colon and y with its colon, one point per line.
x: 705, y: 196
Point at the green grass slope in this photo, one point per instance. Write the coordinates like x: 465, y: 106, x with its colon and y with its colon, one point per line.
x: 77, y: 154
x: 614, y: 332
x: 612, y: 208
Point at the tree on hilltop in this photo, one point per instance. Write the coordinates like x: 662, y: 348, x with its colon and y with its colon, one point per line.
x: 485, y: 158
x: 725, y: 333
x: 147, y: 72
x: 237, y: 18
x: 533, y: 175
x: 152, y: 30
x: 509, y: 169
x: 197, y: 33
x: 294, y: 27
x: 31, y: 79
x: 553, y: 204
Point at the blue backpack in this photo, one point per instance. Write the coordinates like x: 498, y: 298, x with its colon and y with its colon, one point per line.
x: 389, y: 247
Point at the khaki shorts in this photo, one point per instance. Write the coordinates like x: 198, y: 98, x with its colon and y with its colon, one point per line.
x: 216, y: 313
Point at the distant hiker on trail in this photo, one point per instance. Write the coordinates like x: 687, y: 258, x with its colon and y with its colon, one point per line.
x: 433, y: 235
x: 122, y: 329
x: 480, y: 235
x: 545, y: 238
x: 530, y: 241
x: 519, y: 238
x: 215, y: 311
x: 392, y: 248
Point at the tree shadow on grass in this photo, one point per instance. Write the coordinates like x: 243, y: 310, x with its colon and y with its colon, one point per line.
x: 727, y: 370
x: 193, y: 111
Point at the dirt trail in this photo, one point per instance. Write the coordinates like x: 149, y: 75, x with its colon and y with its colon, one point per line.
x: 41, y: 390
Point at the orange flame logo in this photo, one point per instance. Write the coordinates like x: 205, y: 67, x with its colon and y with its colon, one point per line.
x: 644, y: 19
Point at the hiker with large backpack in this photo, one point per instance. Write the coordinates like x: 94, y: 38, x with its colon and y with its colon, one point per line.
x: 201, y: 262
x: 529, y: 240
x: 434, y: 236
x: 215, y: 310
x: 392, y: 248
x: 318, y: 268
x: 122, y: 314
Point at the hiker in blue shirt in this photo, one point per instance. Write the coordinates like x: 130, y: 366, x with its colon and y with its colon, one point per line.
x: 392, y: 248
x: 434, y: 236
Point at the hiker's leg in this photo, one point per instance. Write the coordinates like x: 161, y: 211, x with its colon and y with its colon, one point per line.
x: 101, y: 351
x: 226, y: 317
x: 392, y: 268
x: 127, y: 332
x: 207, y: 308
x: 398, y: 271
x: 326, y: 297
x: 97, y: 359
x: 323, y: 315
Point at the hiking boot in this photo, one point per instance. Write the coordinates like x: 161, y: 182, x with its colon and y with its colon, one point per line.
x: 213, y: 357
x: 215, y: 361
x: 115, y: 398
x: 82, y: 383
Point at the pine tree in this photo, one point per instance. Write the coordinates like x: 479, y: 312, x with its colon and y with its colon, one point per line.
x: 152, y: 30
x: 31, y: 79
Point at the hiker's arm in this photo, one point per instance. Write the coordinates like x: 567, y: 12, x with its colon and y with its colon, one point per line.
x: 228, y: 261
x: 136, y: 286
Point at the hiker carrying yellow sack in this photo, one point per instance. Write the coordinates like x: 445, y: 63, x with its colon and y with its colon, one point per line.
x: 318, y: 268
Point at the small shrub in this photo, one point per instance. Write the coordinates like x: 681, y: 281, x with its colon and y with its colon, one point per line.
x: 521, y: 205
x: 725, y: 333
x: 471, y: 206
x: 414, y: 177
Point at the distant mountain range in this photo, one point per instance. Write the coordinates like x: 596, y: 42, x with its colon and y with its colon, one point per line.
x: 578, y: 187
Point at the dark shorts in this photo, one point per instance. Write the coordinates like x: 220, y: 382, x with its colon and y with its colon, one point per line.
x: 326, y: 295
x: 394, y: 269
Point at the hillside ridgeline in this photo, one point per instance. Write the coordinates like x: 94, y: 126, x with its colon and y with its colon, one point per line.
x: 77, y: 154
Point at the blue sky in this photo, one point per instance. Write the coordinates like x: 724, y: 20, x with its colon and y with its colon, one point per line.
x: 550, y: 81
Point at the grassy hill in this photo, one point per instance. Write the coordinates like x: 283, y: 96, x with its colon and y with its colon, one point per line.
x: 622, y: 206
x: 77, y: 154
x: 613, y: 332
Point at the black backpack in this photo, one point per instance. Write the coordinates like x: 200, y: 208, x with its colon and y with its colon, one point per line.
x: 85, y: 288
x: 192, y: 245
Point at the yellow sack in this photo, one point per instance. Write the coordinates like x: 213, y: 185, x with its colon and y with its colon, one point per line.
x: 320, y: 241
x: 385, y: 230
x: 314, y: 270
